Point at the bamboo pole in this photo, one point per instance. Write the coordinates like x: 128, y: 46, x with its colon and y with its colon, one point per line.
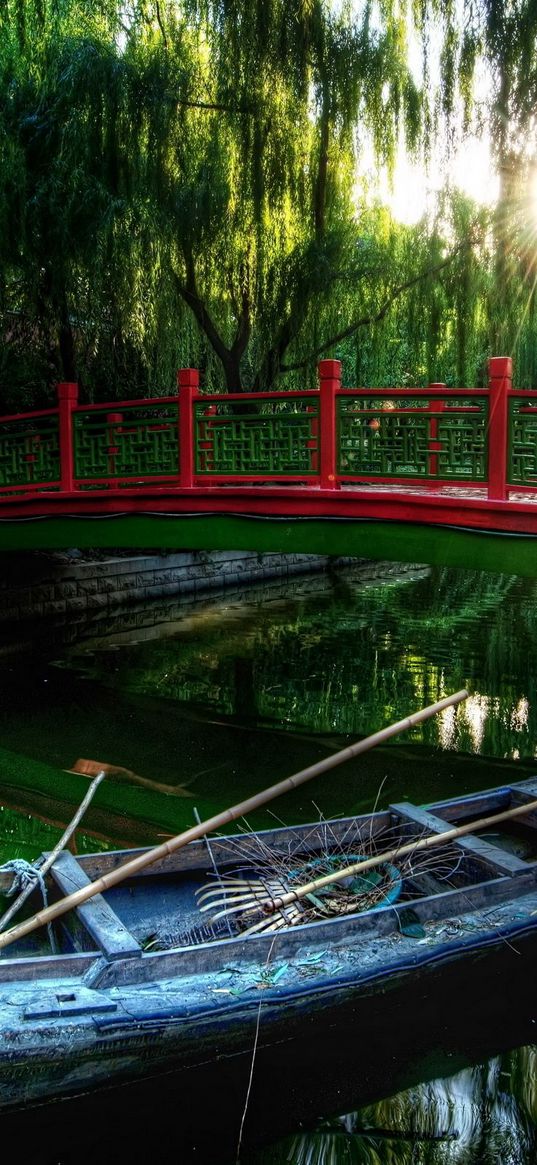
x: 394, y: 854
x: 148, y: 857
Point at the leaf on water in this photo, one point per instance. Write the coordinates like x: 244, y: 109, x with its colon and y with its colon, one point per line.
x: 409, y: 924
x: 281, y: 971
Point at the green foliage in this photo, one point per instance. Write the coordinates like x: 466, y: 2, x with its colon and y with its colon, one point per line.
x: 180, y: 185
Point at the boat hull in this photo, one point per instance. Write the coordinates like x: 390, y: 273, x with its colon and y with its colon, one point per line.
x: 177, y: 1024
x: 113, y: 1008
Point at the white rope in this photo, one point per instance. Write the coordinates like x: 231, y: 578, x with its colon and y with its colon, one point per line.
x: 23, y: 873
x: 26, y: 875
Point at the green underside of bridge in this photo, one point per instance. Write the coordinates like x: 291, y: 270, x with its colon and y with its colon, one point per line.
x: 395, y: 541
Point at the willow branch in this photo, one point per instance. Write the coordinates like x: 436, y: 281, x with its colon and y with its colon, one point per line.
x: 160, y: 24
x: 374, y: 317
x: 154, y: 91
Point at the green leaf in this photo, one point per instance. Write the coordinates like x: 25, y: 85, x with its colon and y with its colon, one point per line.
x: 409, y: 923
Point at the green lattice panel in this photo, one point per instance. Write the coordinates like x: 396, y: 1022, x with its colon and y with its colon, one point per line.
x: 463, y: 456
x: 377, y: 438
x: 279, y: 440
x: 522, y: 467
x: 29, y: 453
x: 144, y: 443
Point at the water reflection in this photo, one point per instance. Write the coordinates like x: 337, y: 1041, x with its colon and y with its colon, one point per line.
x: 359, y: 654
x: 200, y: 695
x: 483, y: 1115
x: 224, y: 697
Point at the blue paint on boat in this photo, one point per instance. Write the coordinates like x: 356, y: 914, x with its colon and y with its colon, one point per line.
x: 134, y: 991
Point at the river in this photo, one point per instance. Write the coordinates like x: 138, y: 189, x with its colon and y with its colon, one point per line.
x: 210, y: 701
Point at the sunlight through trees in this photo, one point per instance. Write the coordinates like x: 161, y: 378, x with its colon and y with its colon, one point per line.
x: 183, y: 183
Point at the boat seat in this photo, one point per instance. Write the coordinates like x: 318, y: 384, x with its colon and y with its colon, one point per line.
x: 496, y: 860
x: 97, y: 917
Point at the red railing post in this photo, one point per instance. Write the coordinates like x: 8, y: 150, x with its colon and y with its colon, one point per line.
x: 187, y: 383
x: 500, y: 381
x: 67, y: 399
x: 435, y: 446
x: 329, y: 383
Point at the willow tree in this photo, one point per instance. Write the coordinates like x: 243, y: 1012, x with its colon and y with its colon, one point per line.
x: 190, y: 163
x: 251, y: 116
x: 179, y: 185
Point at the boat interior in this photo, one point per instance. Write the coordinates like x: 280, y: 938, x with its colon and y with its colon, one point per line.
x: 182, y: 912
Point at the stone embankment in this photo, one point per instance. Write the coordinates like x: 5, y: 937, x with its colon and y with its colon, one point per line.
x: 35, y: 586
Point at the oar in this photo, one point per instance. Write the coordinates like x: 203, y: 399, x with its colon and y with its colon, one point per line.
x: 128, y: 869
x: 272, y: 905
x: 90, y: 768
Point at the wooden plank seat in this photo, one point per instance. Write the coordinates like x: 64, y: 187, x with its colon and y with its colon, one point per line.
x: 489, y: 856
x: 100, y: 921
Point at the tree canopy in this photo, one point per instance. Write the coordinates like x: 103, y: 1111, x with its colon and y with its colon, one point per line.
x: 181, y: 185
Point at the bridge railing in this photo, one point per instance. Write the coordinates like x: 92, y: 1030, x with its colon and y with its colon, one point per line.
x: 134, y: 443
x: 430, y: 437
x: 30, y: 452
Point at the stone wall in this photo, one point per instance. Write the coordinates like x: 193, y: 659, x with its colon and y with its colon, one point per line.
x: 41, y: 585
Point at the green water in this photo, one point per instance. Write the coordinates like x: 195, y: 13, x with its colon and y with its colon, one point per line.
x: 212, y: 701
x: 225, y: 698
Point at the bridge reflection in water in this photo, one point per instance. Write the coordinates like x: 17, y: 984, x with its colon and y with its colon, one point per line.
x: 433, y: 474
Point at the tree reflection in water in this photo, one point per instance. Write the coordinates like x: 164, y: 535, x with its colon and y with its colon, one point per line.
x: 484, y: 1115
x: 356, y: 655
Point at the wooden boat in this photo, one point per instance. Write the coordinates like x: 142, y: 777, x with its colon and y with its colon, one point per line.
x: 142, y: 981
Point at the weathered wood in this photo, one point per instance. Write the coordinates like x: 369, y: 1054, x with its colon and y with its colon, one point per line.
x: 523, y: 794
x: 285, y: 842
x: 102, y: 923
x: 475, y: 805
x: 490, y: 857
x: 84, y: 1020
x: 29, y: 968
x: 69, y: 1001
x: 290, y: 943
x: 525, y: 788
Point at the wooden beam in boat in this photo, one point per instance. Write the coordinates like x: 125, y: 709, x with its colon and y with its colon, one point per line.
x: 525, y: 792
x: 244, y: 847
x: 24, y: 968
x: 102, y: 923
x: 474, y: 805
x: 484, y: 804
x: 495, y: 859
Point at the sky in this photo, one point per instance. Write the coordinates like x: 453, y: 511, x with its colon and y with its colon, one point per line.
x: 469, y: 166
x: 413, y: 189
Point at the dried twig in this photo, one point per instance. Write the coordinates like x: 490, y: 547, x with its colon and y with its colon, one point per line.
x: 40, y: 871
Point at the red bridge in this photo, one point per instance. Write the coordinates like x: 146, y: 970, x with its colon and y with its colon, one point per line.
x: 404, y: 473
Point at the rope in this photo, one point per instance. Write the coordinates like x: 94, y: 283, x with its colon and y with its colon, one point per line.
x: 23, y: 873
x: 26, y: 874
